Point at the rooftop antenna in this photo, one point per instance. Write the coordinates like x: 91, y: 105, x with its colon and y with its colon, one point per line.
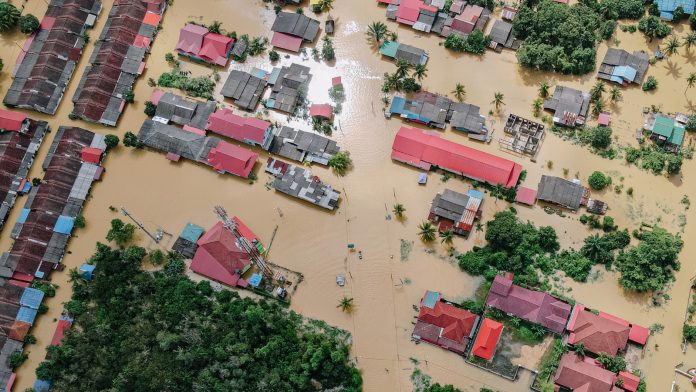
x: 251, y: 250
x: 154, y: 238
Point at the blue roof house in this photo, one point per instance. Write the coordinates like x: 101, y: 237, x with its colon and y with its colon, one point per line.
x: 667, y: 7
x: 87, y: 271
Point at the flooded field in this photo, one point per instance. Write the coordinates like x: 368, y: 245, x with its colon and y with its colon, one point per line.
x: 310, y: 240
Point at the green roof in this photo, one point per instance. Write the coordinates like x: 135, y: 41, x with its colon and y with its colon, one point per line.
x: 666, y: 127
x: 389, y: 48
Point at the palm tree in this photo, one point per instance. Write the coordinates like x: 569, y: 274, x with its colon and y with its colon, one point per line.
x: 478, y: 226
x: 399, y: 210
x: 615, y: 93
x: 593, y: 248
x: 326, y: 5
x: 597, y: 91
x: 498, y: 100
x: 420, y: 71
x: 447, y: 236
x: 544, y: 89
x: 376, y: 31
x: 536, y: 106
x: 579, y: 349
x: 74, y: 275
x: 672, y: 46
x: 690, y: 81
x: 459, y: 92
x: 690, y: 40
x: 9, y: 16
x: 215, y: 27
x: 427, y: 231
x: 402, y: 68
x: 346, y: 304
x: 598, y: 107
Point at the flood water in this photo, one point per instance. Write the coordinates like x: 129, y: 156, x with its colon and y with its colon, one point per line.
x: 310, y: 240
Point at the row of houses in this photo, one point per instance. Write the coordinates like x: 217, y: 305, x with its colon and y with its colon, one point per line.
x: 20, y: 139
x: 288, y: 87
x: 436, y: 111
x: 49, y: 57
x: 118, y: 60
x: 455, y: 329
x: 42, y: 232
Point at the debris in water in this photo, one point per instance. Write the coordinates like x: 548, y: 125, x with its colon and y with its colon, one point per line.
x: 406, y: 247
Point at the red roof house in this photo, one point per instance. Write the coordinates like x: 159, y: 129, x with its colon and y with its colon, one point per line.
x: 578, y: 375
x: 444, y: 325
x: 534, y: 306
x: 286, y: 41
x: 424, y: 150
x: 487, y: 339
x: 216, y: 48
x: 630, y: 381
x: 602, y: 333
x: 12, y: 121
x: 324, y: 110
x: 466, y: 21
x: 62, y: 326
x: 526, y: 196
x: 191, y: 39
x: 92, y: 154
x: 218, y: 257
x: 249, y: 130
x: 228, y: 158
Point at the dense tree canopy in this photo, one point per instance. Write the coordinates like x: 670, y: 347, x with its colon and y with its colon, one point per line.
x: 557, y: 37
x: 139, y: 331
x: 649, y: 265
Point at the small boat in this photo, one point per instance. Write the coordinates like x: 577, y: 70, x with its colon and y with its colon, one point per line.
x: 422, y: 178
x: 360, y: 254
x: 329, y: 26
x: 340, y: 280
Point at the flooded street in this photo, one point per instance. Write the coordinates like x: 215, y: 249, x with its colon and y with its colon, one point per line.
x: 167, y: 195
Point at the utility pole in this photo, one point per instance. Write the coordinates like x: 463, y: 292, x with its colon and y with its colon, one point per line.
x: 125, y: 213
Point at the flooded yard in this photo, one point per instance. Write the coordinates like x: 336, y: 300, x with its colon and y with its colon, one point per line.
x: 396, y: 267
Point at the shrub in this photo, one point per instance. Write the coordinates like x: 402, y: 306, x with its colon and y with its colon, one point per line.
x: 689, y: 333
x: 150, y: 108
x: 341, y: 162
x: 273, y: 55
x: 9, y: 17
x: 650, y: 84
x: 598, y: 181
x: 632, y: 154
x: 600, y: 137
x: 80, y: 221
x: 28, y: 24
x: 111, y: 141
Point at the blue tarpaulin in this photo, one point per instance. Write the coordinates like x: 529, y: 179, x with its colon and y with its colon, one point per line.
x: 397, y: 105
x: 27, y: 187
x: 28, y: 315
x: 625, y: 72
x: 192, y: 232
x: 668, y: 6
x: 255, y: 280
x: 41, y: 385
x: 31, y: 298
x: 64, y: 225
x: 475, y: 194
x: 431, y: 298
x: 86, y: 271
x: 23, y: 215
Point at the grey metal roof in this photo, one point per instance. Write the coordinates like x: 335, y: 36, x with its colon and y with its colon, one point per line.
x: 299, y: 182
x: 501, y: 32
x: 239, y: 47
x: 568, y: 100
x: 172, y: 139
x: 618, y: 57
x: 301, y: 146
x: 296, y: 24
x: 449, y: 204
x: 244, y: 89
x: 560, y: 191
x: 467, y: 117
x: 182, y: 111
x: 289, y: 88
x: 411, y: 54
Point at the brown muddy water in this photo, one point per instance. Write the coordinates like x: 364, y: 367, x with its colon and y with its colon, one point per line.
x: 310, y: 240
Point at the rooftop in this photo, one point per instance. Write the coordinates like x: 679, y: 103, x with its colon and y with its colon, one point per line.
x: 578, y: 374
x: 562, y: 192
x: 244, y: 89
x: 570, y: 106
x: 295, y: 24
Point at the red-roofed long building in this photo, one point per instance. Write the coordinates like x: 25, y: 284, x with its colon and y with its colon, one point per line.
x: 534, y: 306
x: 487, y: 339
x: 583, y: 375
x: 425, y: 151
x: 249, y: 130
x: 444, y: 325
x: 228, y: 158
x: 198, y: 43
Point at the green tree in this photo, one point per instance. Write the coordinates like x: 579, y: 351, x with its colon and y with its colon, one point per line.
x: 600, y: 137
x: 690, y: 40
x: 28, y: 24
x: 399, y: 210
x: 597, y: 107
x: 653, y: 28
x: 79, y: 221
x: 690, y: 81
x: 613, y: 364
x: 341, y: 162
x: 120, y: 233
x: 327, y: 50
x: 345, y: 304
x: 598, y: 181
x: 671, y: 46
x: 447, y: 237
x: 150, y: 108
x: 420, y: 71
x: 130, y: 96
x: 131, y: 140
x: 537, y: 105
x: 459, y: 92
x: 649, y: 265
x: 498, y: 100
x: 111, y: 141
x: 215, y: 27
x: 9, y: 17
x: 597, y: 91
x: 403, y: 68
x: 650, y: 84
x: 427, y: 231
x: 544, y: 89
x: 169, y: 57
x: 273, y: 56
x: 377, y: 31
x: 156, y: 257
x: 615, y: 94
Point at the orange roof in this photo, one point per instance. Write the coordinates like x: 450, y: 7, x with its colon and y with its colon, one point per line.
x: 152, y: 19
x: 487, y: 339
x: 456, y: 323
x: 630, y: 381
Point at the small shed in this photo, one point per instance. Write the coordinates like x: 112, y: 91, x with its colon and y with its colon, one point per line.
x: 321, y: 110
x: 255, y: 280
x: 526, y: 196
x: 92, y: 154
x: 64, y: 225
x: 604, y: 119
x: 87, y: 271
